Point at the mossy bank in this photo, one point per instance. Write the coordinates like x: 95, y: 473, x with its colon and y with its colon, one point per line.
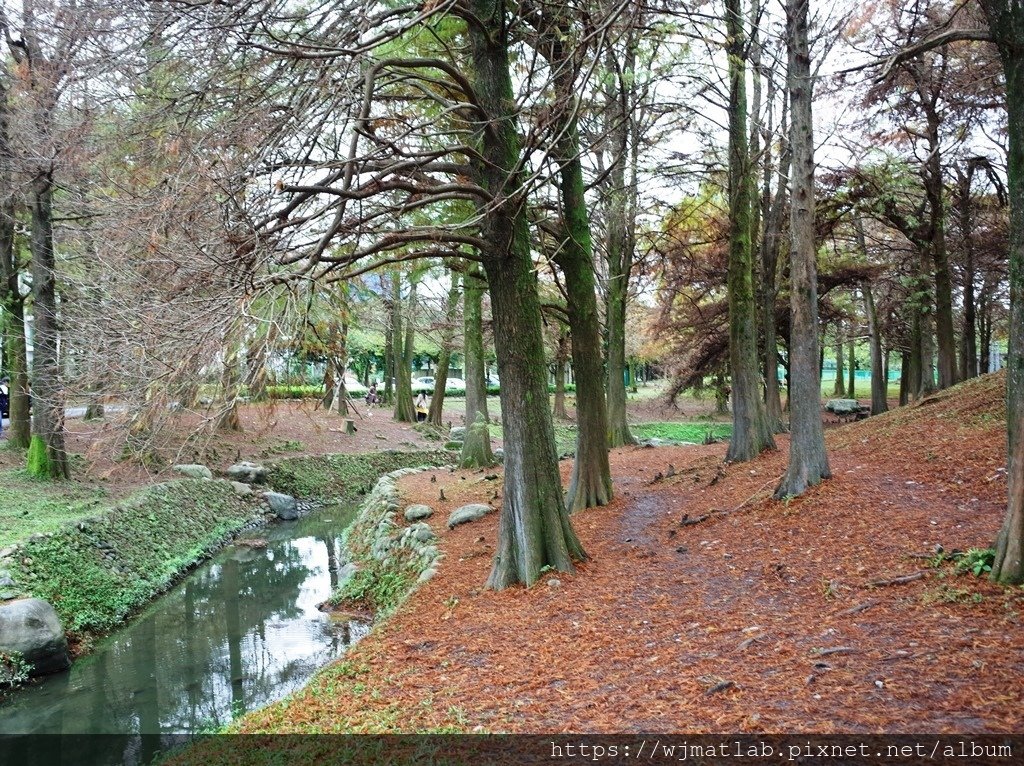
x: 99, y: 569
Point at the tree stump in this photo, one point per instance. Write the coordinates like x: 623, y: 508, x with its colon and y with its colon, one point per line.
x: 350, y: 426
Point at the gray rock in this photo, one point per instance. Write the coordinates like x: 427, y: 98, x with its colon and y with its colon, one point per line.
x: 5, y: 579
x: 417, y: 512
x: 554, y: 582
x: 457, y: 434
x: 241, y: 488
x: 249, y: 473
x: 422, y: 532
x: 843, y: 406
x: 285, y: 506
x: 499, y: 454
x: 31, y: 627
x: 467, y: 513
x: 8, y: 593
x: 194, y: 471
x: 426, y: 575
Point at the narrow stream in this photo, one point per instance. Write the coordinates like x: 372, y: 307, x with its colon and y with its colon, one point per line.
x: 240, y: 631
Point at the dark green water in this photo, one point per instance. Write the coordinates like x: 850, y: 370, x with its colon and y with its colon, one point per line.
x: 240, y: 631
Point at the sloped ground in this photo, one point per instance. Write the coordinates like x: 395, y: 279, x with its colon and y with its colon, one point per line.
x: 761, y: 618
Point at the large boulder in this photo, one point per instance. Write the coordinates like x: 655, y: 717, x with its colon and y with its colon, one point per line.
x: 194, y: 471
x: 247, y: 473
x: 31, y: 627
x: 457, y: 434
x: 843, y: 406
x: 417, y: 512
x: 467, y: 513
x: 285, y: 506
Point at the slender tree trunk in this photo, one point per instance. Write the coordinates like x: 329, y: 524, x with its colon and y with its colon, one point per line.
x: 591, y: 481
x: 769, y: 283
x: 1006, y: 21
x: 751, y: 433
x: 476, y: 449
x: 808, y: 461
x: 852, y: 386
x: 533, y: 529
x: 12, y: 302
x: 230, y: 383
x: 839, y: 386
x: 47, y: 456
x: 327, y: 400
x: 969, y: 343
x: 905, y: 377
x: 445, y: 357
x: 879, y: 376
x: 621, y: 243
x: 934, y: 189
x: 405, y: 408
x: 561, y: 356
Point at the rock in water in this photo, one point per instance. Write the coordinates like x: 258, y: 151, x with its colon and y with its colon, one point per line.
x: 417, y: 512
x: 194, y: 471
x: 31, y: 627
x: 285, y: 506
x: 467, y: 513
x: 248, y: 473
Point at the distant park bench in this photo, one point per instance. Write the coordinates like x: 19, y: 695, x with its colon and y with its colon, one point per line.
x: 847, y: 409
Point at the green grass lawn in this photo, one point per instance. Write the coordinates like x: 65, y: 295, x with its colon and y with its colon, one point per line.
x: 31, y: 506
x: 681, y: 432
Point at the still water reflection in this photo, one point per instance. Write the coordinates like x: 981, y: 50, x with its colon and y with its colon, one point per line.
x: 239, y: 632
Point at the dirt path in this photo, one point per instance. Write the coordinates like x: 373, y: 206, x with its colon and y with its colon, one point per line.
x: 762, y: 619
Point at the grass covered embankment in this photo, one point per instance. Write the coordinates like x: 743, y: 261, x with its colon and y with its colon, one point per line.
x: 98, y: 568
x: 97, y: 563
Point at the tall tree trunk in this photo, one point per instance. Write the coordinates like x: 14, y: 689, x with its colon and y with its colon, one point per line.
x: 935, y: 189
x: 905, y: 377
x: 969, y: 341
x: 1006, y: 21
x: 12, y: 302
x: 561, y: 357
x: 852, y: 370
x: 839, y: 386
x: 879, y: 375
x: 808, y: 461
x: 533, y: 529
x: 476, y: 449
x: 591, y: 481
x: 769, y: 282
x: 405, y: 408
x: 620, y: 243
x: 445, y: 357
x: 47, y: 456
x: 751, y: 433
x: 230, y: 383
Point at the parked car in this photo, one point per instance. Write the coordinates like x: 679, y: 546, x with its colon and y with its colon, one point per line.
x: 425, y: 385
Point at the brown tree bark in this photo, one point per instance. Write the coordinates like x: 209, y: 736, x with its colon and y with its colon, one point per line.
x: 808, y: 461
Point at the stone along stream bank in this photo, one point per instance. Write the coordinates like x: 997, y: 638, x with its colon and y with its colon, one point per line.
x: 239, y: 631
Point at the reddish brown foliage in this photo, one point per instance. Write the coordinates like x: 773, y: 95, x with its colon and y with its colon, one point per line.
x: 757, y: 596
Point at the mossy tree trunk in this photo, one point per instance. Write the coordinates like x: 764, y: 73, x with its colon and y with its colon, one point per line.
x: 852, y: 370
x: 476, y: 448
x: 771, y: 244
x: 534, y: 529
x: 12, y: 302
x: 47, y: 456
x: 751, y: 433
x: 1006, y: 21
x: 561, y: 358
x: 808, y: 461
x: 591, y: 482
